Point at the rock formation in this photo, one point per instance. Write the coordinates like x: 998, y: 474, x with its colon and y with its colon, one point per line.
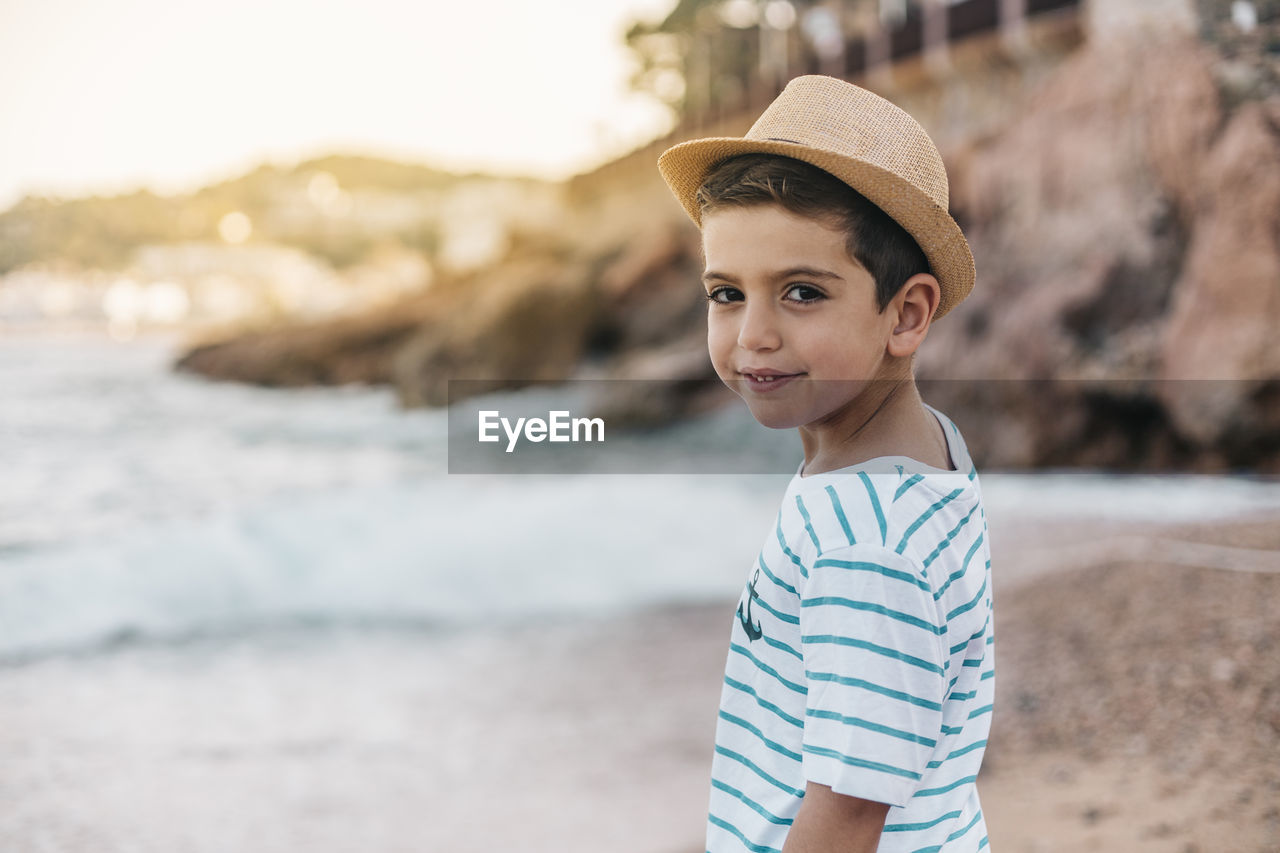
x: 1126, y: 227
x: 1127, y: 231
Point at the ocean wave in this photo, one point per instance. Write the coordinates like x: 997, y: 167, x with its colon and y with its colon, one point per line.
x: 460, y: 551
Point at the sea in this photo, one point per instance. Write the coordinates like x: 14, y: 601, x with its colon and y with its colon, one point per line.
x: 237, y: 618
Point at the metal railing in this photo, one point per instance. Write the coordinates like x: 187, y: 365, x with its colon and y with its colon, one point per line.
x: 863, y: 55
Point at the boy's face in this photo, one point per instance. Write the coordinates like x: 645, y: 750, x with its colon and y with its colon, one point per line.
x: 793, y: 326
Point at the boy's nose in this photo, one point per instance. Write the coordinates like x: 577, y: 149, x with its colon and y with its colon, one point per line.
x: 759, y: 331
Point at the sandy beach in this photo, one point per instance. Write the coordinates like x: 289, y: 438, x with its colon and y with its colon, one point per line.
x: 1138, y: 710
x: 1138, y: 702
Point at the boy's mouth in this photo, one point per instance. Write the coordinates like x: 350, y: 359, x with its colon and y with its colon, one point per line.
x: 765, y: 379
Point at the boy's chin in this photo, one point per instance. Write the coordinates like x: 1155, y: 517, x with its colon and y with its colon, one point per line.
x: 774, y: 416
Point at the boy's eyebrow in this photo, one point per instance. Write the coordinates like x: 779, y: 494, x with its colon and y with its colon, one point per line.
x: 790, y: 272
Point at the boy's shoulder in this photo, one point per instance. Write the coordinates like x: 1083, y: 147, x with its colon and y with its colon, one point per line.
x: 890, y: 504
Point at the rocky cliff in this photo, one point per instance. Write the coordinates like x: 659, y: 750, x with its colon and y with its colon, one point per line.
x: 1126, y: 227
x: 1127, y: 230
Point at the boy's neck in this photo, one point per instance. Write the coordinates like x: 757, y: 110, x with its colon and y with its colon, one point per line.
x: 888, y: 419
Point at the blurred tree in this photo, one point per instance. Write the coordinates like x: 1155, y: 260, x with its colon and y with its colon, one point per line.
x: 701, y: 56
x: 660, y: 68
x: 705, y: 56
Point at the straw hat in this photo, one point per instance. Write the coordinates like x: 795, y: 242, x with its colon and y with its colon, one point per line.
x: 860, y: 138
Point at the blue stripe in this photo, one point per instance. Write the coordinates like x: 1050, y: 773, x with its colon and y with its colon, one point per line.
x: 875, y: 504
x: 870, y: 726
x: 975, y: 635
x: 840, y: 516
x: 915, y: 478
x: 952, y: 837
x: 858, y: 762
x: 960, y: 697
x: 965, y: 750
x: 808, y: 524
x: 989, y: 674
x: 959, y: 573
x: 763, y: 667
x: 768, y: 706
x: 945, y: 543
x: 916, y: 827
x: 925, y: 516
x: 753, y: 767
x: 874, y: 688
x: 728, y: 827
x: 985, y: 709
x: 790, y: 554
x: 783, y: 647
x: 872, y: 647
x: 771, y: 576
x: 785, y: 617
x: 776, y: 747
x: 933, y: 792
x: 878, y: 569
x: 959, y: 832
x: 897, y: 615
x: 965, y: 608
x: 751, y: 804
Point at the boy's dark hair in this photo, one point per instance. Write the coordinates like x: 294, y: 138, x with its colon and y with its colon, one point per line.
x: 873, y: 239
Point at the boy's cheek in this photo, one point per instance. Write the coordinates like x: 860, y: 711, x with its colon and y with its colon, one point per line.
x: 728, y: 377
x: 719, y: 349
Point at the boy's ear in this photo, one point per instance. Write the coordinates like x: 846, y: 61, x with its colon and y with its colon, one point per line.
x: 914, y: 306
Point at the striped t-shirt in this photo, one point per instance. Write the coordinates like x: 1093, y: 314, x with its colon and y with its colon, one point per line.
x: 861, y: 658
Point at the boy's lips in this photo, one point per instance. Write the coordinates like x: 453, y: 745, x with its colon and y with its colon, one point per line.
x: 766, y: 379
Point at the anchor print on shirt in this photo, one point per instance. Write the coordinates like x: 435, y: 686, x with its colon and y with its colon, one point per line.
x: 744, y: 615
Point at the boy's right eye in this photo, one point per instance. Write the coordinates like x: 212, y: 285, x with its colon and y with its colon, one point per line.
x: 724, y: 293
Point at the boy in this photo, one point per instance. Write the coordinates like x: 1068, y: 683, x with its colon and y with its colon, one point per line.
x: 858, y: 688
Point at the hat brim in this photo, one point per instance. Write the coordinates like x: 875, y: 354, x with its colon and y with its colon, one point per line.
x: 685, y: 166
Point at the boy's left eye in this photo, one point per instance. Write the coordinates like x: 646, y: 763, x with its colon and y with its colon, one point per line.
x: 804, y: 293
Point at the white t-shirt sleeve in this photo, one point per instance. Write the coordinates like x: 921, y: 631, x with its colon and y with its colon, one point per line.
x: 875, y: 666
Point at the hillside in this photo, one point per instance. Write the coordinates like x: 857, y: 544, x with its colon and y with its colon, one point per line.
x: 340, y: 218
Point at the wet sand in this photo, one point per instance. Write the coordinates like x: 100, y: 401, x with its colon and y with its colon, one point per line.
x: 1138, y: 700
x: 1138, y: 710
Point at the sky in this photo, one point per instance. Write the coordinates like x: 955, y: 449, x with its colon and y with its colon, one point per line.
x: 100, y: 98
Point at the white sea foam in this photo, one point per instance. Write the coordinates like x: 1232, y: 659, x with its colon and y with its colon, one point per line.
x: 441, y: 552
x: 1128, y: 497
x: 137, y: 503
